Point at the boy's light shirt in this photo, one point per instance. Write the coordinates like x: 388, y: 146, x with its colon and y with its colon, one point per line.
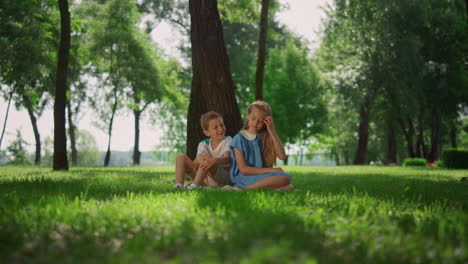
x: 248, y: 135
x: 204, y: 147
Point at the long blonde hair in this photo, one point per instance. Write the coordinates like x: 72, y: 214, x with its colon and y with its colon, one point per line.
x: 268, y: 148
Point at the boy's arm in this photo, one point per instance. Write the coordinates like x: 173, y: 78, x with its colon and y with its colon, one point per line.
x: 210, y: 162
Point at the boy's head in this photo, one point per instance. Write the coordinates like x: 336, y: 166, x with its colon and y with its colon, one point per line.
x: 213, y: 125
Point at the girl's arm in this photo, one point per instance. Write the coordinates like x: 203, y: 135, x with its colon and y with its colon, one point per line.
x: 279, y: 149
x: 244, y: 169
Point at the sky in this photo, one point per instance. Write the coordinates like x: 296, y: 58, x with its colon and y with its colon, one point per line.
x: 301, y: 16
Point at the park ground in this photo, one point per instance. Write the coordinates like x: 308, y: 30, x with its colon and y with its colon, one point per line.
x: 349, y: 214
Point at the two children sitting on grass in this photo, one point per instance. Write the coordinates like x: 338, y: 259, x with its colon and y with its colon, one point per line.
x: 244, y: 161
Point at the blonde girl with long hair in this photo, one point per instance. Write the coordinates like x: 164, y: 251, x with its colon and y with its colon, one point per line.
x: 254, y: 151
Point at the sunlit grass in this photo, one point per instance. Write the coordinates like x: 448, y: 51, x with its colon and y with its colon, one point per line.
x: 340, y: 215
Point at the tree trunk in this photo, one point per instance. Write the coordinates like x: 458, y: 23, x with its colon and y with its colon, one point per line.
x: 212, y: 84
x: 408, y: 135
x: 337, y: 158
x: 6, y: 115
x: 136, y: 148
x: 109, y: 132
x: 363, y: 133
x: 37, y: 136
x: 453, y: 135
x: 433, y: 140
x: 71, y: 133
x: 261, y: 56
x: 346, y: 157
x: 421, y: 150
x: 391, y: 144
x: 60, y: 137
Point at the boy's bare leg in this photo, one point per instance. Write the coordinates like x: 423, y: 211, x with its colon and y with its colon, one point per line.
x: 272, y: 182
x: 183, y: 165
x: 200, y: 176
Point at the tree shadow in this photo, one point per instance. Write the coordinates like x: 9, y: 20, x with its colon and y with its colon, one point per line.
x: 400, y: 189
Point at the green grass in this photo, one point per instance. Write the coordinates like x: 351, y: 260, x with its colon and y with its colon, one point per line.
x: 340, y: 215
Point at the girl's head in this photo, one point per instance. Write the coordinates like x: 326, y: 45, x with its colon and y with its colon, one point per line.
x: 256, y: 113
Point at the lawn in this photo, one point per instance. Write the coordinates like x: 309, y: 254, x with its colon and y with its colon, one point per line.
x: 339, y: 215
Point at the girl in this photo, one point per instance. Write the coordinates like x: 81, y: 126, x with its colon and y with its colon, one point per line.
x: 254, y: 151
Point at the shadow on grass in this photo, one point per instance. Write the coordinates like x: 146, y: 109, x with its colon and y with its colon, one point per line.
x: 29, y: 187
x: 267, y: 235
x: 397, y: 188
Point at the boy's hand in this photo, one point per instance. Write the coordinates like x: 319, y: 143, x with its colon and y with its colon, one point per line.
x: 207, y: 163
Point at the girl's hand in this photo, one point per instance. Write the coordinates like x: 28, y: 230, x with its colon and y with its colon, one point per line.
x: 269, y: 124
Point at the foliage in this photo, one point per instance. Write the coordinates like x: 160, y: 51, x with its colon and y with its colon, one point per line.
x: 17, y: 152
x: 88, y: 152
x: 414, y: 162
x: 341, y: 215
x: 293, y: 87
x: 455, y: 158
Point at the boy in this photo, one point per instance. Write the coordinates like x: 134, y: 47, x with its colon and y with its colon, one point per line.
x: 211, y: 166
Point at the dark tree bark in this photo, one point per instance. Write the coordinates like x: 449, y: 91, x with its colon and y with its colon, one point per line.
x: 453, y: 135
x: 363, y: 133
x: 60, y: 137
x: 71, y: 133
x: 346, y: 157
x: 261, y: 56
x: 421, y: 149
x: 391, y: 144
x: 37, y: 136
x: 6, y: 115
x: 212, y: 84
x: 337, y: 158
x: 408, y: 133
x: 136, y: 148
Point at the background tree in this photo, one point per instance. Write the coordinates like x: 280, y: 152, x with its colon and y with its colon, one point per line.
x: 261, y: 55
x: 28, y: 47
x: 17, y: 152
x: 60, y: 138
x: 295, y: 92
x: 115, y: 22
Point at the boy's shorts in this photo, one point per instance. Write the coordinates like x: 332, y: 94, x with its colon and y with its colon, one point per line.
x: 220, y: 178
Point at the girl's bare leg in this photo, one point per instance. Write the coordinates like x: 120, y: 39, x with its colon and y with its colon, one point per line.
x: 286, y: 187
x: 183, y: 165
x: 272, y: 182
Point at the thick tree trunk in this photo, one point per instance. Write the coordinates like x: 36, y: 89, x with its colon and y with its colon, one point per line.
x: 212, y: 84
x: 136, y: 148
x: 6, y: 115
x: 71, y: 133
x: 60, y: 137
x: 391, y: 144
x: 363, y: 133
x: 37, y: 136
x: 261, y: 56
